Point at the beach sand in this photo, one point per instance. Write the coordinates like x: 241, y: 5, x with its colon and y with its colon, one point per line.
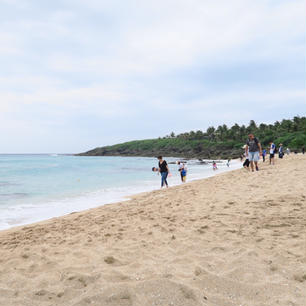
x: 234, y: 239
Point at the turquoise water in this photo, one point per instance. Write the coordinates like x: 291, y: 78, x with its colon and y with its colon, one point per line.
x: 38, y: 187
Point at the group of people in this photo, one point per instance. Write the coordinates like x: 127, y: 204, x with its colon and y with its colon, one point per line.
x: 164, y: 171
x: 253, y: 151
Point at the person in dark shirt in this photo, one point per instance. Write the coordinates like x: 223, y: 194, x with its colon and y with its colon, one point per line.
x: 253, y: 146
x: 164, y: 171
x: 281, y: 151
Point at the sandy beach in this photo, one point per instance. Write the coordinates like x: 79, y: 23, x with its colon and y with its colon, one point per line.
x: 234, y: 239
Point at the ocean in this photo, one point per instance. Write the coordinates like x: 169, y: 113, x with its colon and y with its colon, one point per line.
x: 42, y: 186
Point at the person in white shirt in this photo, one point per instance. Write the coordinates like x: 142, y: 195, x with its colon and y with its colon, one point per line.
x: 183, y: 170
x: 272, y: 152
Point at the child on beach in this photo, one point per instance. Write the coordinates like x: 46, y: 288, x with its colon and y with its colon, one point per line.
x: 183, y: 171
x: 214, y: 166
x: 246, y: 163
x: 264, y: 152
x: 184, y: 175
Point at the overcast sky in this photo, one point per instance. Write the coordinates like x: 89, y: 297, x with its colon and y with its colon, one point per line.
x: 77, y: 74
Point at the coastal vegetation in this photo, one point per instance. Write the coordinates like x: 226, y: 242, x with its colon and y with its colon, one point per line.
x: 220, y: 142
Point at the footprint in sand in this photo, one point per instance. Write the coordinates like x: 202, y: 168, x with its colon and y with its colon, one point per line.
x: 110, y: 260
x: 115, y: 276
x: 78, y: 280
x: 44, y: 295
x: 273, y: 268
x: 112, y: 297
x: 301, y: 277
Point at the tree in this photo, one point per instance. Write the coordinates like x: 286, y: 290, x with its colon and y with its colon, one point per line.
x: 243, y: 132
x: 192, y: 135
x: 218, y: 133
x: 210, y: 130
x: 199, y: 134
x: 286, y: 125
x: 224, y: 131
x: 252, y: 128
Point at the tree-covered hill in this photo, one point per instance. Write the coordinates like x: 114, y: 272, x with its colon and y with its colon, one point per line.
x: 220, y: 142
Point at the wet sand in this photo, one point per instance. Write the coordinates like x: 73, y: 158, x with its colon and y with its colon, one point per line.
x: 234, y: 239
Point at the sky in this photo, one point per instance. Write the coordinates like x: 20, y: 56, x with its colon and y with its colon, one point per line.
x: 78, y: 74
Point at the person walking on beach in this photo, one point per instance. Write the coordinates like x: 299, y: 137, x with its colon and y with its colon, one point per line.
x: 254, y: 148
x: 264, y: 152
x: 272, y: 152
x: 163, y: 170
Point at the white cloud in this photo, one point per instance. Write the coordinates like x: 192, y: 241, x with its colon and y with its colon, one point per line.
x: 183, y: 35
x: 8, y: 44
x: 94, y: 99
x: 128, y: 59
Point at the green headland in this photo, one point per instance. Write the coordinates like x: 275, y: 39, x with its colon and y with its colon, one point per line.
x: 221, y: 142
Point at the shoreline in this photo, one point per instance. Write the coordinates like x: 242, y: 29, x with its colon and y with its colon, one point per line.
x: 46, y: 212
x: 237, y: 238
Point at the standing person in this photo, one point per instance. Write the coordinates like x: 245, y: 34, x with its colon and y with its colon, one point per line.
x: 164, y: 171
x: 303, y: 150
x: 246, y: 163
x: 184, y: 174
x: 254, y: 148
x: 288, y: 151
x: 280, y: 151
x: 228, y: 162
x: 264, y: 152
x: 272, y: 152
x: 183, y: 171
